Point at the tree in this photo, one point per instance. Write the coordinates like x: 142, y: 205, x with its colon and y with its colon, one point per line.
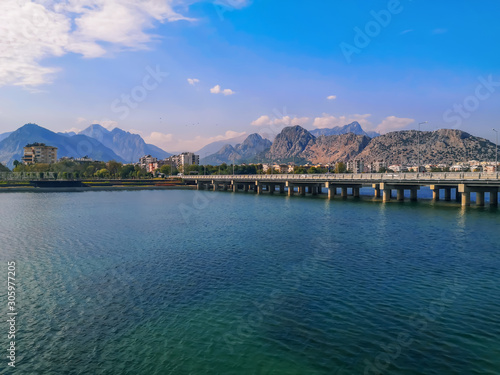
x: 340, y: 167
x: 114, y: 168
x: 102, y: 173
x: 4, y: 168
x: 127, y: 171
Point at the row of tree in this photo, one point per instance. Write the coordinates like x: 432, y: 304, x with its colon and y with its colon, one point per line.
x: 96, y: 169
x: 113, y: 169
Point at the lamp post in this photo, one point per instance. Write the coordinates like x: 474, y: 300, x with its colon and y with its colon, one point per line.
x: 418, y: 146
x: 496, y: 150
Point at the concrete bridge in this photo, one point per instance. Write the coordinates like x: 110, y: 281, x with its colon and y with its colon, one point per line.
x: 383, y: 184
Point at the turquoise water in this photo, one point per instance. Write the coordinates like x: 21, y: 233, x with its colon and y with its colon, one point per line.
x: 185, y: 282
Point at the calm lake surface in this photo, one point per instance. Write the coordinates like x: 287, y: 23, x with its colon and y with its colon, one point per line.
x: 185, y: 282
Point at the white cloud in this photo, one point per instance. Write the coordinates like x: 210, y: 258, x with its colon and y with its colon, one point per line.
x: 171, y: 143
x: 76, y: 130
x: 82, y: 120
x: 392, y: 123
x: 31, y: 31
x: 329, y: 121
x: 218, y: 90
x: 282, y: 121
x: 193, y: 81
x: 332, y: 97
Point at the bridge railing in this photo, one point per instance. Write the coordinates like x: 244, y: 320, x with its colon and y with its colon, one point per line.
x: 439, y: 176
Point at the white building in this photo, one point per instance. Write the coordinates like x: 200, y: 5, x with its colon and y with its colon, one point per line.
x: 146, y: 160
x: 355, y: 166
x: 183, y: 160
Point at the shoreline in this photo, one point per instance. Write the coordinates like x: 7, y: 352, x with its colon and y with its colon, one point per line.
x: 31, y: 189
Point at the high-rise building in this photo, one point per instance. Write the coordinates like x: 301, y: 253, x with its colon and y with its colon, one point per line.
x: 39, y: 153
x: 183, y: 160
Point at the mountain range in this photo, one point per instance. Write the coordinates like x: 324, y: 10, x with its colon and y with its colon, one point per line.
x: 95, y: 142
x: 130, y: 147
x: 293, y: 143
x: 353, y: 127
x: 299, y: 145
x: 253, y: 145
x: 439, y: 146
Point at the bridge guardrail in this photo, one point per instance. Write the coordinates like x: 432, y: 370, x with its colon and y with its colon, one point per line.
x: 446, y: 176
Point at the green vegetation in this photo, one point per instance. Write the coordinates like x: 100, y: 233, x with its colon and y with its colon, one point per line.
x: 69, y: 169
x: 3, y: 168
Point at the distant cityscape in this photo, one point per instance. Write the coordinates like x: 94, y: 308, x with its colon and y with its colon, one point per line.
x: 40, y: 153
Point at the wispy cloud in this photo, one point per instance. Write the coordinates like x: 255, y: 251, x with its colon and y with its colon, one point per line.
x: 393, y: 123
x: 282, y: 121
x: 32, y: 31
x: 218, y: 90
x: 193, y: 81
x: 332, y: 97
x: 330, y: 121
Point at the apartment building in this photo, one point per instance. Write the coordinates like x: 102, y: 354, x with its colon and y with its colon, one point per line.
x: 39, y: 153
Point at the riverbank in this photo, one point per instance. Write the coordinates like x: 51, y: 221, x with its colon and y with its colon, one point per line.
x: 32, y: 189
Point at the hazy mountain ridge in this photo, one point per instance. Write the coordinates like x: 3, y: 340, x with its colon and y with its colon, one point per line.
x: 253, y: 145
x: 353, y: 127
x: 216, y: 146
x: 130, y: 147
x: 11, y: 148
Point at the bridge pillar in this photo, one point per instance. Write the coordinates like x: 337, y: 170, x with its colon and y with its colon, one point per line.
x: 435, y: 194
x: 199, y: 185
x: 331, y: 192
x: 480, y: 198
x: 258, y: 188
x: 494, y: 198
x: 214, y: 185
x: 245, y: 187
x: 272, y: 188
x: 289, y: 185
x: 224, y: 186
x: 387, y: 195
x: 314, y: 189
x: 413, y: 195
x: 282, y: 189
x: 376, y: 188
x: 235, y: 187
x: 447, y: 194
x: 401, y: 194
x: 343, y: 192
x: 319, y: 189
x: 355, y: 192
x: 302, y: 190
x: 458, y: 196
x: 465, y: 198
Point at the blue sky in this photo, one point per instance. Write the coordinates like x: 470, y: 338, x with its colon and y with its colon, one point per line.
x: 253, y: 66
